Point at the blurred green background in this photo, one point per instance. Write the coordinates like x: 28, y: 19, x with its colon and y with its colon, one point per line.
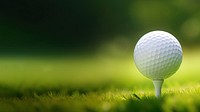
x: 90, y: 42
x: 73, y: 26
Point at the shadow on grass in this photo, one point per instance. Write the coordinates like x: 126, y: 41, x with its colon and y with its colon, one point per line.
x: 167, y: 103
x: 143, y: 105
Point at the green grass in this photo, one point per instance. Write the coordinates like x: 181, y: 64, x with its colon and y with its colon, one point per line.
x: 94, y: 84
x: 174, y: 99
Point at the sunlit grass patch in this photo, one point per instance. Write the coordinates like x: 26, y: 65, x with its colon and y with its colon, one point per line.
x: 94, y: 84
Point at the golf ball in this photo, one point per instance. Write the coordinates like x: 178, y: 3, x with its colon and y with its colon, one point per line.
x: 158, y: 55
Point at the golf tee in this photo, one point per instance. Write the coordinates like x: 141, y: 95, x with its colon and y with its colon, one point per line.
x: 158, y: 86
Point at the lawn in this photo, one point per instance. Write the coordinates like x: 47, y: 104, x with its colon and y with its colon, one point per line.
x: 97, y: 83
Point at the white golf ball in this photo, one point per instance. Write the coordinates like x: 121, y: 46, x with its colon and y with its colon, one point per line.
x: 158, y: 55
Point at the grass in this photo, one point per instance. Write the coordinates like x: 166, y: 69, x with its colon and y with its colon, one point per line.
x: 174, y: 99
x: 94, y: 84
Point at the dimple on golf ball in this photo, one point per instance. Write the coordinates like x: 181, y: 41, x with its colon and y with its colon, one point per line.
x: 158, y: 55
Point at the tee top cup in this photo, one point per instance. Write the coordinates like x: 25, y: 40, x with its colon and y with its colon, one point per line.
x: 158, y: 55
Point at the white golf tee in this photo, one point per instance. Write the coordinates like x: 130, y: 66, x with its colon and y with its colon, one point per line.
x: 158, y: 86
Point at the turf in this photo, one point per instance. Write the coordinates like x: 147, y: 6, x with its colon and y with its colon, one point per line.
x: 94, y: 84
